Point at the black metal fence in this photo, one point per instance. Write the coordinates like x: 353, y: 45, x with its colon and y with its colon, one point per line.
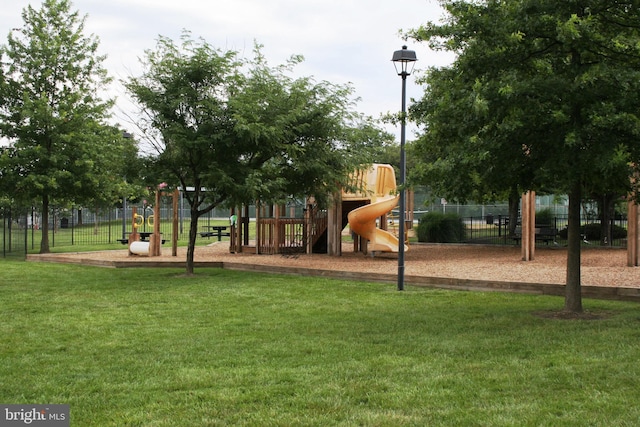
x: 15, y: 226
x: 22, y: 228
x: 492, y: 229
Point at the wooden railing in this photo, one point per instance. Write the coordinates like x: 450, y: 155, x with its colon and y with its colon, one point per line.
x: 290, y: 235
x: 318, y: 221
x: 282, y: 235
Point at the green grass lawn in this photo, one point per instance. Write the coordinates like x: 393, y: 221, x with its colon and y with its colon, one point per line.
x: 144, y: 347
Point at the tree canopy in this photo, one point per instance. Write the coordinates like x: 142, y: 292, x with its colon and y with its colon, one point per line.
x: 238, y: 130
x: 542, y: 95
x: 60, y: 148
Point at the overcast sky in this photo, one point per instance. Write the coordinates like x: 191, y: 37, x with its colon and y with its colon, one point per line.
x: 342, y: 41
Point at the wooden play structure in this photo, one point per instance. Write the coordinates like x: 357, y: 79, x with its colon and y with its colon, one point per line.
x: 279, y: 229
x: 153, y: 247
x: 369, y: 207
x: 287, y: 230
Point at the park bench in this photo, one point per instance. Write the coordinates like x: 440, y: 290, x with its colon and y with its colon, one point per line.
x: 543, y: 233
x: 218, y: 231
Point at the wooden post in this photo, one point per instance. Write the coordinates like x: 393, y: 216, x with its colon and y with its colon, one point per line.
x: 528, y: 225
x: 239, y: 220
x: 259, y: 226
x: 233, y: 238
x: 524, y: 221
x: 334, y: 227
x: 277, y: 235
x: 155, y: 240
x: 308, y: 218
x: 633, y: 234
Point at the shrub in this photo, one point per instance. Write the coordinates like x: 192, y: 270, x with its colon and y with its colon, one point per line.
x: 437, y: 227
x: 545, y: 217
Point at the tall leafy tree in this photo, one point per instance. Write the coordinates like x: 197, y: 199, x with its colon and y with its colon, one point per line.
x: 51, y: 112
x: 294, y: 132
x: 236, y: 131
x: 368, y: 143
x: 183, y: 95
x: 545, y: 93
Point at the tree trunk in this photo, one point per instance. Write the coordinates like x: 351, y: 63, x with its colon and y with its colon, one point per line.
x: 606, y: 213
x: 44, y: 242
x: 193, y: 233
x: 573, y: 292
x: 514, y: 205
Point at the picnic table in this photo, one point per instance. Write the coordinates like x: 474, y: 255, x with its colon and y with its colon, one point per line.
x: 215, y: 231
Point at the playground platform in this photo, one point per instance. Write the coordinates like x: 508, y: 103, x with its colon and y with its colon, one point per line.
x: 605, y: 274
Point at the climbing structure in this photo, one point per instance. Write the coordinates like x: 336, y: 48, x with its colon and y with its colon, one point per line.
x: 365, y: 206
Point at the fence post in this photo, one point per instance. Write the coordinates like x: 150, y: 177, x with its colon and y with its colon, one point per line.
x: 72, y: 228
x: 26, y: 233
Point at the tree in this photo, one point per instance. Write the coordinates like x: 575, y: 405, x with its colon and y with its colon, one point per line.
x: 367, y: 143
x: 459, y: 162
x: 237, y: 131
x: 183, y: 96
x: 50, y: 77
x: 543, y: 92
x: 299, y: 135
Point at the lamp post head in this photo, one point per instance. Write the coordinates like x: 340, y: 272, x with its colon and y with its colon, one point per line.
x: 404, y: 60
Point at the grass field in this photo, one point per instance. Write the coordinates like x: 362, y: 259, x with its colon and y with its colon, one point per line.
x: 143, y: 347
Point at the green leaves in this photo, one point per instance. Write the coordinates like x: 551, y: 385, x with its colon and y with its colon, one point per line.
x: 239, y: 130
x: 61, y: 150
x: 51, y: 75
x: 552, y: 76
x: 544, y: 94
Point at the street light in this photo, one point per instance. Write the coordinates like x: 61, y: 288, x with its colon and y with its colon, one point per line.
x: 125, y: 135
x: 403, y: 60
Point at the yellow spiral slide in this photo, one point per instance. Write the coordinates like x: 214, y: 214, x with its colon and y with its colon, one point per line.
x: 378, y: 185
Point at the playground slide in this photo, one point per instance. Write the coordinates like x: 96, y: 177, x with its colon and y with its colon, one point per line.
x: 362, y: 221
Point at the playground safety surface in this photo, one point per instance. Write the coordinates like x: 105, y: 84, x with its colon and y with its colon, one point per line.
x: 604, y: 271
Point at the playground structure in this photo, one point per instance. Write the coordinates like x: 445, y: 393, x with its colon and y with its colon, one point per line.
x: 282, y: 230
x: 136, y: 247
x: 279, y: 229
x: 367, y: 210
x: 377, y: 188
x: 153, y: 247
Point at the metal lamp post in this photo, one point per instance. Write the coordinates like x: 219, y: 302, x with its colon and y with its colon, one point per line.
x: 125, y: 135
x: 403, y: 60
